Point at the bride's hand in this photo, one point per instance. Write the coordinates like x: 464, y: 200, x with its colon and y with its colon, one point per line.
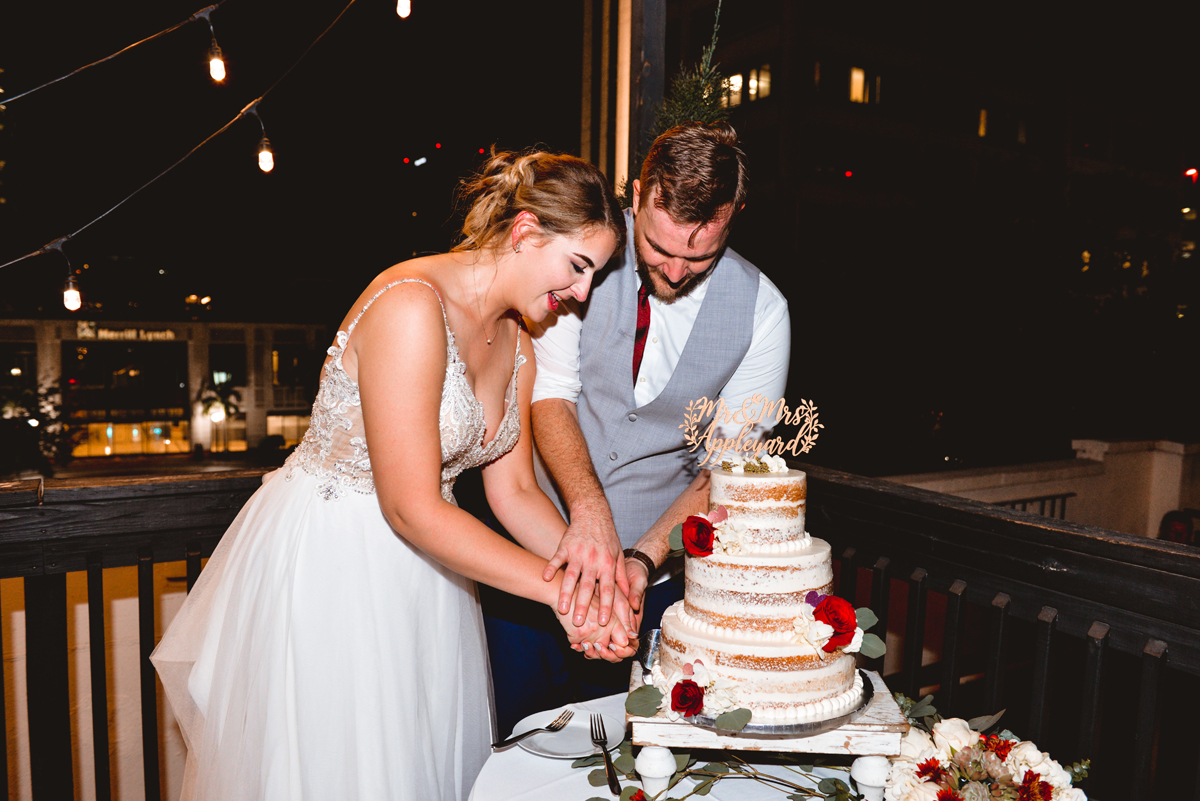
x: 610, y: 642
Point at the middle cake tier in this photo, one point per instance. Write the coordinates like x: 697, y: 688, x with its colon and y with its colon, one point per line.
x: 755, y: 596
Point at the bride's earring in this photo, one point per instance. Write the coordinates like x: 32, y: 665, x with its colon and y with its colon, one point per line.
x: 517, y: 246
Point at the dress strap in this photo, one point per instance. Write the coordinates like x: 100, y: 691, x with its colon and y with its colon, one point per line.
x: 374, y: 297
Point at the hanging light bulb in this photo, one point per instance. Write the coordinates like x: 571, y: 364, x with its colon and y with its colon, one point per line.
x: 216, y: 62
x: 71, y: 298
x: 404, y: 8
x: 266, y: 158
x: 217, y: 414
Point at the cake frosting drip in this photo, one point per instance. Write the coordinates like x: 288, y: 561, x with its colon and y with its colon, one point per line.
x: 739, y: 610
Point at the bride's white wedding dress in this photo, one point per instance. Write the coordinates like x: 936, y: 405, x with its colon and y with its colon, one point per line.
x: 320, y: 655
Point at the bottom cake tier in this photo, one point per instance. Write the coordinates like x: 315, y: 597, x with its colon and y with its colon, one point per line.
x: 777, y: 682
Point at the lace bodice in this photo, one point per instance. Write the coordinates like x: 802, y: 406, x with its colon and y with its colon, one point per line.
x: 335, y: 447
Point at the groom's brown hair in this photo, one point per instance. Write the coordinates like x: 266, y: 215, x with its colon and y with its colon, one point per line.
x: 699, y: 170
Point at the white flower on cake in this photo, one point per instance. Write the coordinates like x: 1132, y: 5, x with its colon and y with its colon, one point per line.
x: 760, y: 464
x: 827, y: 623
x: 729, y: 538
x: 775, y: 464
x: 810, y: 630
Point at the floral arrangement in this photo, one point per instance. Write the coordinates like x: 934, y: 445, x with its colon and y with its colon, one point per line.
x: 828, y: 623
x: 704, y: 535
x: 952, y: 760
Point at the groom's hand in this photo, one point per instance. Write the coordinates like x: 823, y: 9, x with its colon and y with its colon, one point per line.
x: 591, y: 553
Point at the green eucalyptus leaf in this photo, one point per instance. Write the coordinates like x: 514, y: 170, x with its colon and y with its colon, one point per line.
x: 734, y: 720
x: 598, y: 798
x: 716, y: 767
x: 682, y: 761
x: 598, y: 778
x: 872, y: 647
x: 982, y: 724
x: 792, y: 797
x: 866, y: 618
x: 626, y: 746
x: 624, y: 763
x: 588, y: 761
x: 827, y: 786
x: 644, y: 701
x: 628, y: 792
x: 806, y: 768
x: 675, y: 538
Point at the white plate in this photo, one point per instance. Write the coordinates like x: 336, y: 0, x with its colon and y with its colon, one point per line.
x: 573, y: 740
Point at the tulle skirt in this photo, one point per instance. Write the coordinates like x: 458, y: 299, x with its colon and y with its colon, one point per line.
x: 321, y: 656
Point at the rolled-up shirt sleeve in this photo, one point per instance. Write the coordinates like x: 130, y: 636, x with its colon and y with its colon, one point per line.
x: 556, y: 350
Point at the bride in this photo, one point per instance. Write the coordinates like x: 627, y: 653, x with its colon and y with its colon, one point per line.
x: 333, y: 645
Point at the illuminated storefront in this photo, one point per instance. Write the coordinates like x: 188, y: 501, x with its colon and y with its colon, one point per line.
x: 160, y: 388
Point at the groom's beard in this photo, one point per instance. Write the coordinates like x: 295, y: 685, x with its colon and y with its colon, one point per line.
x: 661, y: 288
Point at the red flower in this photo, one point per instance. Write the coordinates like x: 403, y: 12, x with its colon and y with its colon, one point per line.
x: 638, y: 795
x: 697, y: 535
x: 997, y: 745
x: 841, y: 618
x: 932, y: 770
x: 946, y: 794
x: 1033, y: 788
x: 687, y: 697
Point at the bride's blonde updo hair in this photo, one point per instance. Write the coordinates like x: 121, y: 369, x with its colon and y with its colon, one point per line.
x: 566, y: 194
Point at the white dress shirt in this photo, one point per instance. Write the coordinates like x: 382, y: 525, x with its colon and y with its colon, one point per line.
x: 763, y: 371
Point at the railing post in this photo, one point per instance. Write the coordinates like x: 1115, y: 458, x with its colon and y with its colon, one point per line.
x: 99, y: 674
x: 880, y: 597
x: 1047, y: 621
x: 849, y: 577
x: 1089, y: 718
x: 148, y: 686
x: 48, y: 687
x: 994, y: 677
x: 1147, y: 712
x: 914, y: 634
x: 950, y: 647
x: 193, y: 564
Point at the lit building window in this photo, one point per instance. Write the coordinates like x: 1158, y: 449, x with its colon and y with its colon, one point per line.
x: 291, y: 427
x: 734, y: 93
x: 1021, y: 131
x: 878, y: 87
x: 858, y: 85
x: 983, y: 122
x: 760, y: 82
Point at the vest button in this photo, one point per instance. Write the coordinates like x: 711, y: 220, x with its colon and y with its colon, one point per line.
x: 632, y: 417
x: 613, y: 456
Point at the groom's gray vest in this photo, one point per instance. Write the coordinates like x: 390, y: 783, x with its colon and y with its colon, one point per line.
x: 639, y: 452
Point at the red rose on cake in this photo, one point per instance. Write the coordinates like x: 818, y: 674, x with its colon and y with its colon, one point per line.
x: 839, y: 615
x: 698, y: 535
x: 687, y: 698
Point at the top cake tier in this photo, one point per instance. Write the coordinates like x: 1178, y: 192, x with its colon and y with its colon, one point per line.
x: 771, y: 505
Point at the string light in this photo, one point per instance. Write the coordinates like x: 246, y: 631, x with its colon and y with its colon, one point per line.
x: 251, y: 107
x: 202, y: 14
x: 216, y: 61
x: 71, y: 297
x: 404, y: 8
x: 266, y: 156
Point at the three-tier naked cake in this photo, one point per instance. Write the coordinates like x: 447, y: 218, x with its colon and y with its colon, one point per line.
x: 747, y: 608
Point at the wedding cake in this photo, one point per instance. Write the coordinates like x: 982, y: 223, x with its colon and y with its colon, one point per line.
x: 758, y: 626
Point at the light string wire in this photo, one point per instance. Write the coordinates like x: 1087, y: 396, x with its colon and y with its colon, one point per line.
x: 250, y: 108
x: 201, y: 14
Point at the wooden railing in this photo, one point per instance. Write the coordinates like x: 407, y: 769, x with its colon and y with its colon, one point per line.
x: 50, y: 530
x: 1090, y: 639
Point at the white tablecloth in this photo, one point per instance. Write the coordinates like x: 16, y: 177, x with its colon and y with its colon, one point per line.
x: 517, y: 775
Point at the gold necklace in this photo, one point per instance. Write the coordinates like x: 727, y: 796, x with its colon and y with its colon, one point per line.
x: 479, y: 304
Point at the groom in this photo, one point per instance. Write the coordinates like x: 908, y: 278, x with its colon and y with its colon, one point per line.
x: 676, y: 317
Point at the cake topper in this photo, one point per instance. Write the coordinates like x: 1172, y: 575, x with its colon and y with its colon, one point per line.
x: 754, y: 411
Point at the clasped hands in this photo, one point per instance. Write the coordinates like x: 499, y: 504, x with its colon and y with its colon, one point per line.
x: 602, y: 594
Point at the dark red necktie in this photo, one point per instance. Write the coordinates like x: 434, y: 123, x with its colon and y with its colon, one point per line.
x: 643, y: 325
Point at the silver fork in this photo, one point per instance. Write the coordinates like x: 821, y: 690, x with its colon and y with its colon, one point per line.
x: 600, y: 740
x: 554, y: 725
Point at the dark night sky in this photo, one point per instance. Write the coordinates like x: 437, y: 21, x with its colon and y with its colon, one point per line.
x: 337, y: 208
